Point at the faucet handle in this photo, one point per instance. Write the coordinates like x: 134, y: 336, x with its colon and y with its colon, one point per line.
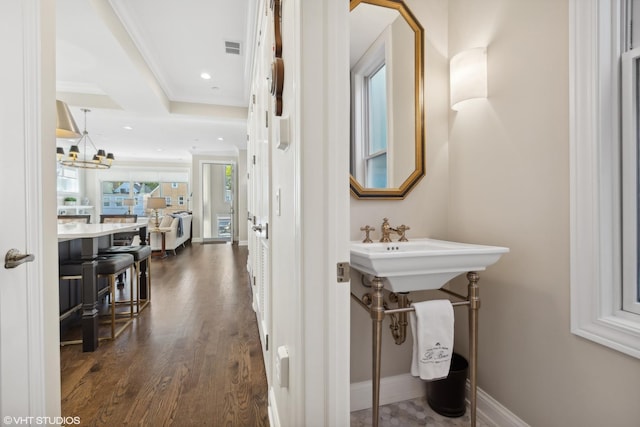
x: 402, y: 229
x: 367, y: 229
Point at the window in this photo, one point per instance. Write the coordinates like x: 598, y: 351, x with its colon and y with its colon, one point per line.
x: 370, y: 130
x: 604, y: 174
x: 68, y: 181
x: 630, y: 185
x: 228, y: 183
x: 375, y: 155
x: 114, y: 192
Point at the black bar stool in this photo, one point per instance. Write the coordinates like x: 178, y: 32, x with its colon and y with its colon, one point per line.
x: 140, y: 254
x: 108, y: 266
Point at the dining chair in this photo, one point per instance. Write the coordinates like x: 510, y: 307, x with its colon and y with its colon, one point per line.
x: 66, y: 219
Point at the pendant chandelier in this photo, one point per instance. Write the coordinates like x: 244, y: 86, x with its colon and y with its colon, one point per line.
x: 83, y: 159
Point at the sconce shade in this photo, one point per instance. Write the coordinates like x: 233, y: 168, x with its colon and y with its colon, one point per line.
x: 468, y: 76
x: 65, y: 125
x: 156, y: 203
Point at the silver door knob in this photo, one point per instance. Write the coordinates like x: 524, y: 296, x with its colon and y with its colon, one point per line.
x: 14, y: 258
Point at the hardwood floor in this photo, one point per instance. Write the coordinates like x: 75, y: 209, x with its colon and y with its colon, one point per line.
x: 193, y: 357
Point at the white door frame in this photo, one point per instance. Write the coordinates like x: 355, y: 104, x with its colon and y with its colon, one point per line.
x: 322, y: 104
x: 234, y: 204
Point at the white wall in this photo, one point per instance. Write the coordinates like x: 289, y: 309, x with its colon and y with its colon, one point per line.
x: 425, y: 208
x: 509, y: 169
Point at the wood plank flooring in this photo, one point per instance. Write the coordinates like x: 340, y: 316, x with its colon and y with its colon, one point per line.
x: 192, y: 358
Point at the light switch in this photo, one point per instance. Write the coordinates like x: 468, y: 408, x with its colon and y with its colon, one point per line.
x: 281, y: 132
x: 282, y: 366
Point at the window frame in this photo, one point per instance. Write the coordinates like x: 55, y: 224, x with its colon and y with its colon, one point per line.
x: 629, y: 165
x: 595, y: 202
x: 67, y: 180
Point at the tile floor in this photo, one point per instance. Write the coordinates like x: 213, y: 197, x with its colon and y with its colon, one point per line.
x: 410, y: 413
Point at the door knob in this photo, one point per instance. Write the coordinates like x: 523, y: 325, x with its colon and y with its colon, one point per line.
x: 14, y: 258
x: 260, y: 228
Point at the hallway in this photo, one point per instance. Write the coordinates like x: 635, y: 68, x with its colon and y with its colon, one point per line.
x: 193, y: 357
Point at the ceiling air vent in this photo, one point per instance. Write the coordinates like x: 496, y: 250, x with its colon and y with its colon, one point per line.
x: 232, y: 48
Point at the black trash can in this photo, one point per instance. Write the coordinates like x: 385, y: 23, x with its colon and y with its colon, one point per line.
x: 446, y: 396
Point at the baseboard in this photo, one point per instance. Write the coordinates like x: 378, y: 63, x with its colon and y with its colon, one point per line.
x: 392, y: 389
x: 196, y: 240
x: 494, y: 412
x: 274, y: 419
x: 243, y: 243
x: 406, y: 387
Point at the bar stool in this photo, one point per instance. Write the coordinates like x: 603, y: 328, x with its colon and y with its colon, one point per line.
x: 108, y: 266
x: 140, y: 254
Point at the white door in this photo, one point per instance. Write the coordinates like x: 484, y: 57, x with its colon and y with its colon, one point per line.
x: 22, y: 388
x: 260, y: 182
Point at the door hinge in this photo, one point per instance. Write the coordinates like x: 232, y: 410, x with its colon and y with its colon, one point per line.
x: 254, y: 159
x: 343, y: 271
x: 267, y: 341
x: 266, y: 119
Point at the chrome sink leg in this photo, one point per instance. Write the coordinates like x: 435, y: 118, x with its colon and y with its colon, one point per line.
x: 377, y: 315
x: 474, y: 300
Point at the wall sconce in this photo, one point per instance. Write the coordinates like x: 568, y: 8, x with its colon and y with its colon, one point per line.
x: 468, y: 76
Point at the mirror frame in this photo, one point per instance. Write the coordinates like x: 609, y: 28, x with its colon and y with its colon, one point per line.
x: 357, y: 190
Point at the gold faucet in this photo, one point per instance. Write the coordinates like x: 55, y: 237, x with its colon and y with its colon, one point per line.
x: 387, y: 229
x: 367, y: 229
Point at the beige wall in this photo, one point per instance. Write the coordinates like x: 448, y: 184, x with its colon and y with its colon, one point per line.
x: 402, y: 73
x: 509, y: 169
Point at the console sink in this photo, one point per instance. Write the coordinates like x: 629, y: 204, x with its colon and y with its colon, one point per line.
x: 421, y: 264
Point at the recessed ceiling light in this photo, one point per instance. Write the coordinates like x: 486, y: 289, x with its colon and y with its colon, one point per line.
x: 159, y: 149
x: 215, y: 87
x: 220, y: 138
x: 127, y: 127
x: 205, y: 76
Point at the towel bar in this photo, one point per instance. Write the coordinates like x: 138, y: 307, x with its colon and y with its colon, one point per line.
x: 376, y: 308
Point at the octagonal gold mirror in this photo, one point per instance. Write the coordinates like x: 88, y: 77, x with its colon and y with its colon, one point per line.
x: 387, y: 112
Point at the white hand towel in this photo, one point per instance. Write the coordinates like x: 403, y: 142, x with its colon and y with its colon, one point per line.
x: 432, y: 329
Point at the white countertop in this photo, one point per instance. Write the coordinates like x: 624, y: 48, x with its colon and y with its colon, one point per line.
x: 74, y: 230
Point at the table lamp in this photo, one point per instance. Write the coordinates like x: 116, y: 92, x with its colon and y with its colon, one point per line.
x: 129, y: 203
x: 156, y: 203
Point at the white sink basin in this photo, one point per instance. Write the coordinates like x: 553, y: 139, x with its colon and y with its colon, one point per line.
x: 421, y: 264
